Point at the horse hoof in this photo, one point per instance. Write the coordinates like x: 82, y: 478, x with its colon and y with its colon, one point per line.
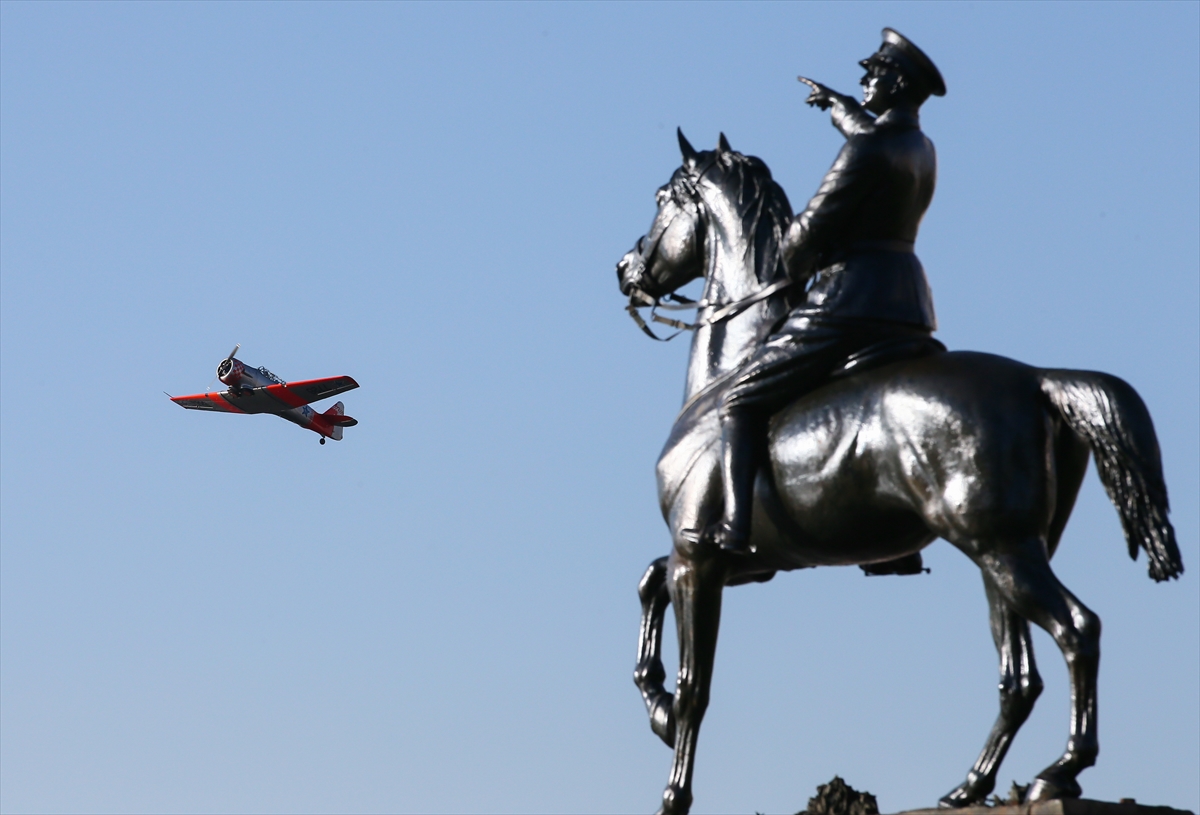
x: 957, y: 798
x: 969, y: 792
x: 1045, y: 789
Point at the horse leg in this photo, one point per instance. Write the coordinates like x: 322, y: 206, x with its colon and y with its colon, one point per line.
x: 696, y: 579
x: 649, y: 673
x: 1020, y: 687
x: 1020, y: 572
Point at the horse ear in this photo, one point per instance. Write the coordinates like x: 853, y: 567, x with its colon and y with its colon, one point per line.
x: 723, y: 144
x: 685, y: 146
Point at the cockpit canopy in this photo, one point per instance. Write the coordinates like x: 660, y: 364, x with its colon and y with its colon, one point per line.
x: 274, y: 378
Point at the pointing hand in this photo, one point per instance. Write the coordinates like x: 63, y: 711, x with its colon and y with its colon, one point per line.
x: 821, y: 96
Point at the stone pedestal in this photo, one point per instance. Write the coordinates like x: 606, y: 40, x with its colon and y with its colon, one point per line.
x: 1073, y: 806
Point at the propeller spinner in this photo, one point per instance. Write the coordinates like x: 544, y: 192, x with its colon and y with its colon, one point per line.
x: 227, y: 364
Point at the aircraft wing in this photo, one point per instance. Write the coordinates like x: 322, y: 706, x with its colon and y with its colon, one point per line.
x: 295, y: 394
x: 268, y: 399
x: 207, y: 401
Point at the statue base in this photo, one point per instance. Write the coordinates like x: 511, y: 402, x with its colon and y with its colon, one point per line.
x: 1070, y: 806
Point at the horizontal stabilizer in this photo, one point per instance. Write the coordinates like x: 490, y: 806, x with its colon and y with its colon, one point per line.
x: 336, y: 416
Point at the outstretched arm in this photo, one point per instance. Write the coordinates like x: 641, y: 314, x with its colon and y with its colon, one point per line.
x: 848, y: 115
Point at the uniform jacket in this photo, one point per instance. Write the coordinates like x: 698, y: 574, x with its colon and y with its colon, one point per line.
x: 855, y: 237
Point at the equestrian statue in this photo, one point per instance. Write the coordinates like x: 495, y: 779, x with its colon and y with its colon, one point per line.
x: 823, y: 425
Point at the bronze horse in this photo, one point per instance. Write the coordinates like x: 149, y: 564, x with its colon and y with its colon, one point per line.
x: 983, y: 451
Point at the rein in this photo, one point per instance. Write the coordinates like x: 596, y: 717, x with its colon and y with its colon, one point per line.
x: 639, y: 299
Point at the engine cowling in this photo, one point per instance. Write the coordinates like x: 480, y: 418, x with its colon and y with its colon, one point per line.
x: 230, y: 371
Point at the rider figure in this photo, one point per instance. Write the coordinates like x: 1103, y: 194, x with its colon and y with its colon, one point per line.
x: 854, y: 242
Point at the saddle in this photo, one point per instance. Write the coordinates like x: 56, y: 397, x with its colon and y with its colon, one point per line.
x: 892, y: 349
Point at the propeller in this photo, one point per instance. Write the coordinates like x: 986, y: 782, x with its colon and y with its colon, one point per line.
x: 222, y: 365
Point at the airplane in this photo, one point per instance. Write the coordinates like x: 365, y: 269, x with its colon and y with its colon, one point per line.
x: 257, y: 390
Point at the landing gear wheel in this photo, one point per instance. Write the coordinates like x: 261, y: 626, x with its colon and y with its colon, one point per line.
x: 322, y: 440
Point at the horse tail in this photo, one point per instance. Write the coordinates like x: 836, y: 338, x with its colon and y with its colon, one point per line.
x: 649, y: 674
x: 1108, y: 413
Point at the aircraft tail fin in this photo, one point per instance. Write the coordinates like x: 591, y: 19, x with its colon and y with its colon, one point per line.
x: 337, y: 417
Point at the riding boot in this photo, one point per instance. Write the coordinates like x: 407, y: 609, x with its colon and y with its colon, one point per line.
x: 738, y: 468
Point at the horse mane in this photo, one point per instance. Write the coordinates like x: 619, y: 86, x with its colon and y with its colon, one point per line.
x: 746, y: 182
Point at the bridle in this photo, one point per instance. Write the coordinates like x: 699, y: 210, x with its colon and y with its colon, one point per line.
x: 640, y: 299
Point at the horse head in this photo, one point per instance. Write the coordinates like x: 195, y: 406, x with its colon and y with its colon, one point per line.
x: 671, y: 253
x: 721, y: 217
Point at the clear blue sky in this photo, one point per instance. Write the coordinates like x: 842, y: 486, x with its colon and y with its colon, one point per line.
x: 205, y: 613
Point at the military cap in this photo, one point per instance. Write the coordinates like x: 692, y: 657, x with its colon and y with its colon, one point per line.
x: 898, y: 50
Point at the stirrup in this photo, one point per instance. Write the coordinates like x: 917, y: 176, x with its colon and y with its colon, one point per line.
x: 722, y: 535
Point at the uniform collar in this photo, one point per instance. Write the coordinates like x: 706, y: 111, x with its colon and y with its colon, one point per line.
x: 899, y: 118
